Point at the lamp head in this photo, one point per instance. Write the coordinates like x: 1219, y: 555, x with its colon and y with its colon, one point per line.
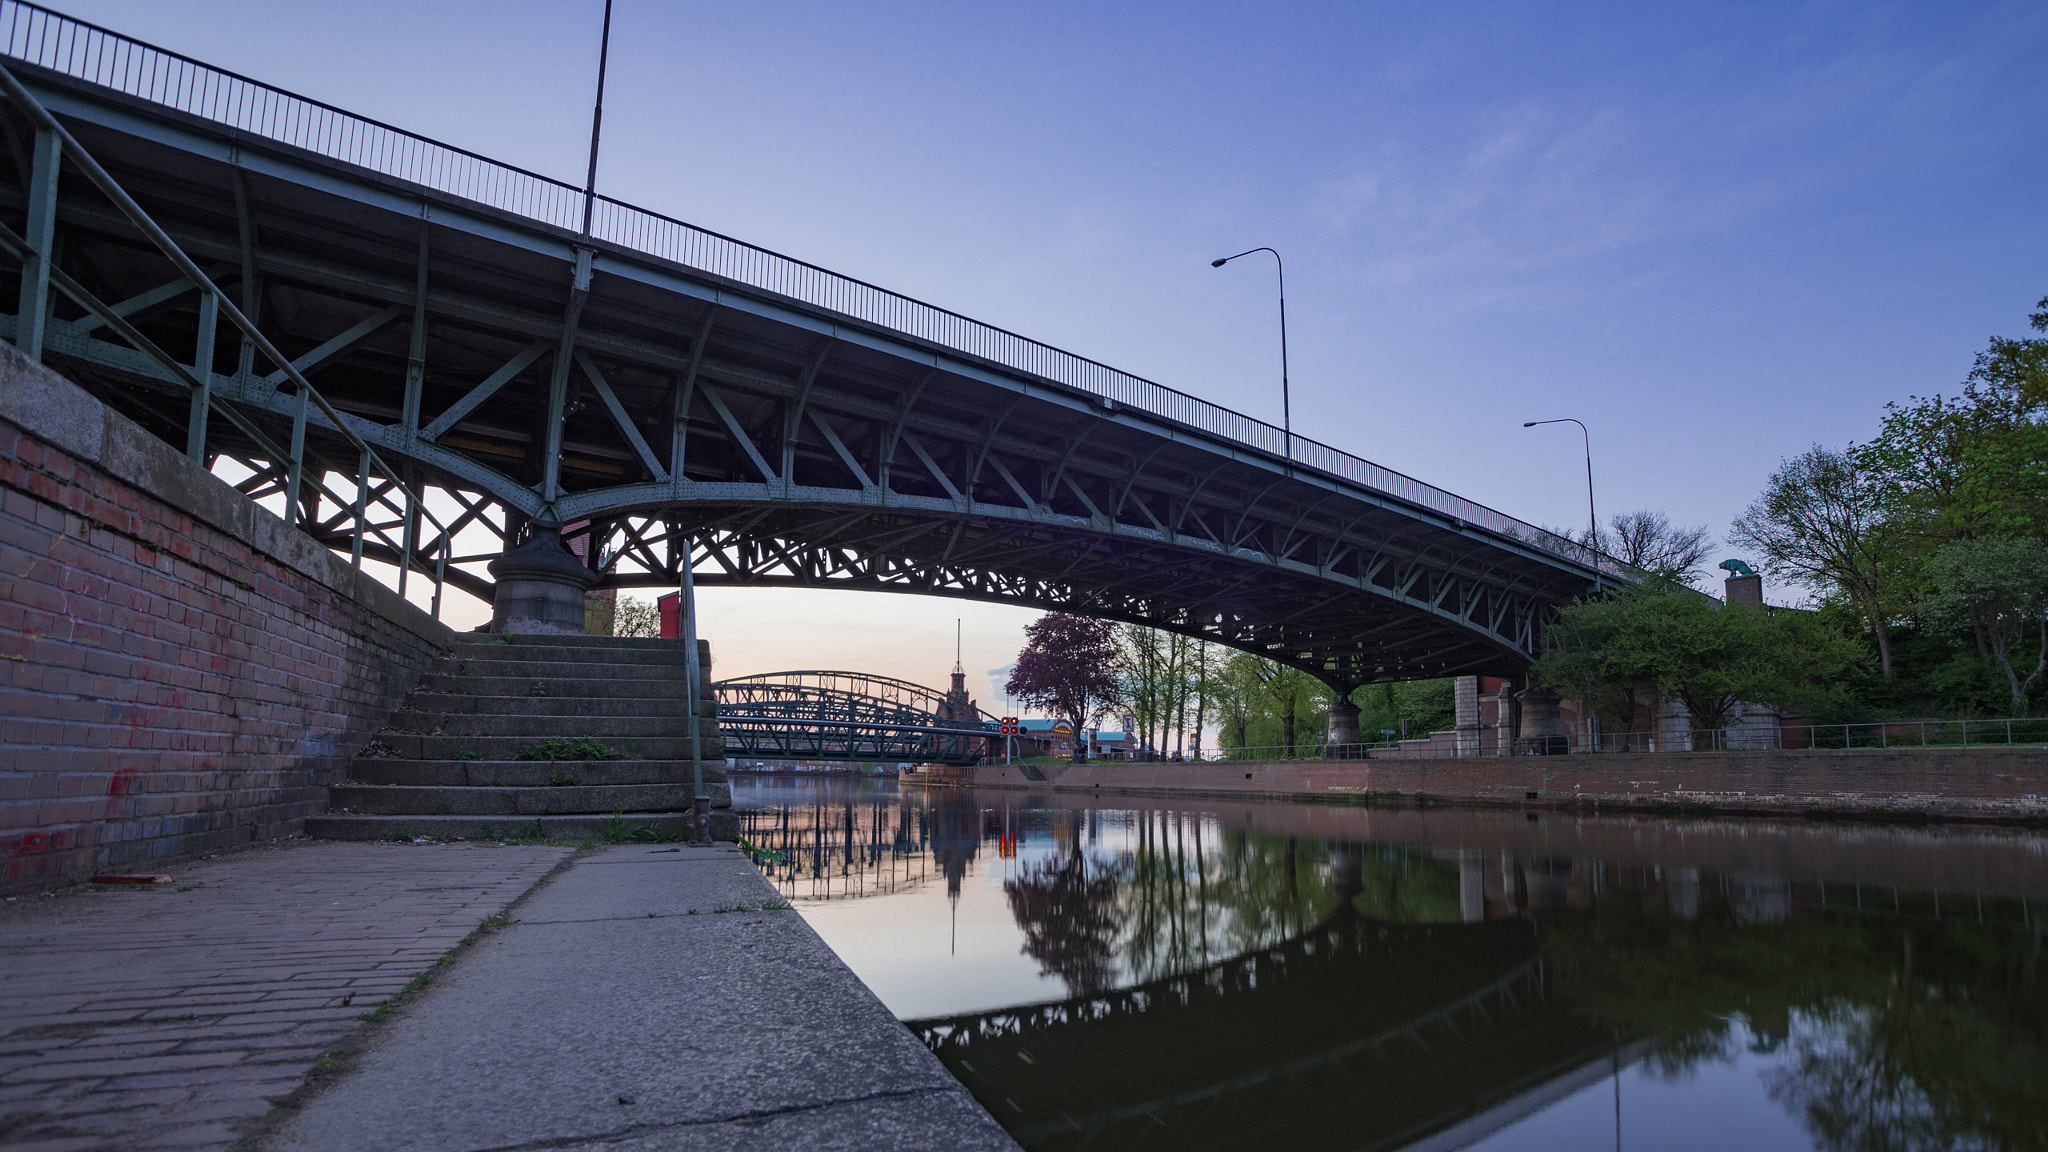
x: 1528, y: 423
x: 1219, y: 263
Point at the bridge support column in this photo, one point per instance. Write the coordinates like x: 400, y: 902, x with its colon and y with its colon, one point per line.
x: 1465, y: 702
x: 1542, y: 727
x: 1344, y: 736
x: 540, y: 586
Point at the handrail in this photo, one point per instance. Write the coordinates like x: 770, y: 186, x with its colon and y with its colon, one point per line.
x: 83, y: 160
x: 97, y: 55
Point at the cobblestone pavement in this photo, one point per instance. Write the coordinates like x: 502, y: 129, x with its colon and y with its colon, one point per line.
x: 171, y: 1017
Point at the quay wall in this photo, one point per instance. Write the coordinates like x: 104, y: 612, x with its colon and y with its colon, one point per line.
x: 180, y: 670
x: 1973, y: 784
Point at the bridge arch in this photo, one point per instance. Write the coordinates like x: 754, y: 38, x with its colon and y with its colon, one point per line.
x: 667, y: 391
x: 851, y: 716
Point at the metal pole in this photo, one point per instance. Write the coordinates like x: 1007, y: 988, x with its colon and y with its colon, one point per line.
x: 202, y: 370
x: 1592, y: 518
x: 295, y: 473
x: 604, y: 52
x: 41, y: 234
x: 408, y: 537
x: 355, y: 552
x: 686, y: 630
x: 1286, y: 408
x: 441, y: 572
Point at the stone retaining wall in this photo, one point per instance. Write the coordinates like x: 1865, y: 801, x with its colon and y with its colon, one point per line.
x: 179, y: 669
x: 1993, y: 783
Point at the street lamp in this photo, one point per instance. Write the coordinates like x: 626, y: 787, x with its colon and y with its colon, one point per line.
x: 1592, y: 521
x: 1286, y: 416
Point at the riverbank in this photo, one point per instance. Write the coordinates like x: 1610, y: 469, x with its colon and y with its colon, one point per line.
x: 453, y: 996
x: 1994, y: 785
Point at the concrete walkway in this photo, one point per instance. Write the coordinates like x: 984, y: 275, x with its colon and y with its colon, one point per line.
x: 224, y: 1010
x: 175, y: 1016
x: 646, y: 998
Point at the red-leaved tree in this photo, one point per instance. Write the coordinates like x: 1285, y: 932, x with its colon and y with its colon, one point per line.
x: 1068, y: 668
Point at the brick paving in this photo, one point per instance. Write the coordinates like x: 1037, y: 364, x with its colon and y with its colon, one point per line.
x: 174, y: 1016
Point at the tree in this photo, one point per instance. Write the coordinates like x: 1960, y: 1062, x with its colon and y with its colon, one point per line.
x: 1234, y: 693
x: 1998, y: 589
x: 1156, y: 671
x: 1646, y: 540
x: 1822, y: 522
x: 1970, y: 465
x: 1287, y: 691
x: 633, y: 616
x: 1634, y: 647
x: 1068, y: 667
x: 1424, y: 705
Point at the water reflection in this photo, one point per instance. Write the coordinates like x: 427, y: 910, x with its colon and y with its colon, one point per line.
x: 1116, y: 976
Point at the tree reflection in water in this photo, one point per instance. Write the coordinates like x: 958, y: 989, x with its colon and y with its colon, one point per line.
x: 1898, y: 1022
x: 1069, y: 920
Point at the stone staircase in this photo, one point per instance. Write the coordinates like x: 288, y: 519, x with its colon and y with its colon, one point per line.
x: 559, y: 736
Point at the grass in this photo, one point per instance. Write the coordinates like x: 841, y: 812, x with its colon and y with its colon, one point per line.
x: 616, y: 832
x: 384, y: 1011
x: 561, y: 779
x: 561, y: 748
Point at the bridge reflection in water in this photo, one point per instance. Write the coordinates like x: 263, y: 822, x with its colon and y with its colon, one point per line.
x: 1231, y: 985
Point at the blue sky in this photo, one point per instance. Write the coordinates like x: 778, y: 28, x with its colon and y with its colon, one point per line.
x: 1716, y: 233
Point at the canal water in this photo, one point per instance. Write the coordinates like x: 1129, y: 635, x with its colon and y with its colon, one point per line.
x: 1115, y: 972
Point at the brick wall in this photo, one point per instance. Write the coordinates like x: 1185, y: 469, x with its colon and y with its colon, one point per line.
x: 1943, y: 783
x: 179, y: 669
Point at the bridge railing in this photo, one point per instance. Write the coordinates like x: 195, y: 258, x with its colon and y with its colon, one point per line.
x: 87, y: 52
x: 283, y: 470
x: 1998, y: 732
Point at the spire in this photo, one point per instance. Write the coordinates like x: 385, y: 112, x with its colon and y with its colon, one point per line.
x: 959, y: 668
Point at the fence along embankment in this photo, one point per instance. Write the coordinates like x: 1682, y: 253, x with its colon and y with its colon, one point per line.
x: 1973, y: 784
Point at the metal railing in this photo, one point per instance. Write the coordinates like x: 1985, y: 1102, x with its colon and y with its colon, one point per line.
x: 2000, y: 732
x: 285, y: 470
x: 87, y: 52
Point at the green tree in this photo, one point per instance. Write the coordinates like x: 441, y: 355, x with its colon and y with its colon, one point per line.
x: 1972, y: 464
x: 1289, y: 694
x: 1998, y: 590
x: 1823, y: 522
x: 1426, y: 706
x: 1634, y: 647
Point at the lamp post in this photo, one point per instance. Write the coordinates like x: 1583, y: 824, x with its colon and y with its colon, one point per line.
x: 1286, y: 416
x: 1592, y: 521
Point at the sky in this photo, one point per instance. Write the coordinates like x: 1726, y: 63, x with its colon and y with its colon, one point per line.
x: 1715, y: 233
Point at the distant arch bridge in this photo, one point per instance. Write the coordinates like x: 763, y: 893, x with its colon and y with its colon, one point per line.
x: 846, y: 716
x: 543, y: 357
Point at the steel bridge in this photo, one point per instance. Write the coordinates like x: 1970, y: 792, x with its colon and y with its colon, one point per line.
x: 852, y: 716
x: 467, y: 328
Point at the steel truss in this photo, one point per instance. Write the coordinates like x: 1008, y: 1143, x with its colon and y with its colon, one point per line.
x: 847, y: 716
x: 535, y: 374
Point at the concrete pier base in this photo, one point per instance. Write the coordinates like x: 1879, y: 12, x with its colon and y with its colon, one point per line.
x: 540, y: 587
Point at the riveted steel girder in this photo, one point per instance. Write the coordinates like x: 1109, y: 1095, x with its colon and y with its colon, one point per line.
x: 790, y: 444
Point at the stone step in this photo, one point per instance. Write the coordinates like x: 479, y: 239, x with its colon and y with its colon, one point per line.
x: 724, y: 826
x: 532, y: 773
x: 535, y: 640
x: 530, y: 669
x: 412, y: 746
x: 582, y: 687
x: 455, y: 704
x: 569, y: 726
x: 414, y: 800
x: 564, y: 654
